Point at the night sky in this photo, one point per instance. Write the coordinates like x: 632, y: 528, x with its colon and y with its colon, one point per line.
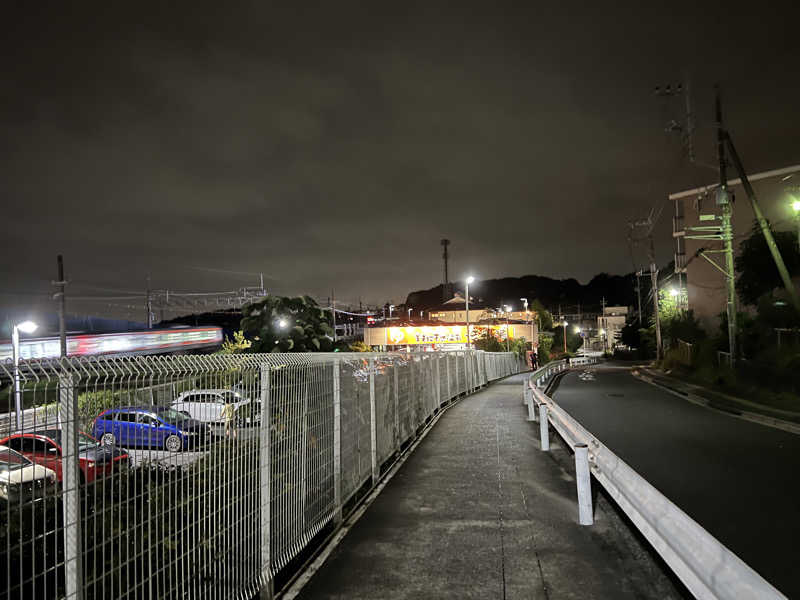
x: 334, y: 146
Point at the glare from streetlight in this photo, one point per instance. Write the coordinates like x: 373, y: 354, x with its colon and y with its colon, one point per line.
x: 577, y: 329
x: 27, y: 326
x: 282, y: 323
x: 508, y: 309
x: 796, y: 206
x: 673, y: 292
x: 470, y: 279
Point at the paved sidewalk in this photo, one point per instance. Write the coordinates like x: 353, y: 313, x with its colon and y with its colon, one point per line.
x: 478, y: 511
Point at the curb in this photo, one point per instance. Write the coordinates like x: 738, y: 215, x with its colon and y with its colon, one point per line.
x: 746, y: 415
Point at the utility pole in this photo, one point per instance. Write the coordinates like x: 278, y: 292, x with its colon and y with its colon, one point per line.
x: 639, y: 294
x: 333, y: 312
x: 62, y: 306
x: 725, y: 201
x: 654, y: 283
x: 149, y: 306
x: 605, y: 322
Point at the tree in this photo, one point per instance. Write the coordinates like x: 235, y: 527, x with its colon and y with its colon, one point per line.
x: 280, y: 324
x: 236, y: 345
x: 574, y: 340
x: 758, y: 274
x: 543, y: 315
x: 359, y: 346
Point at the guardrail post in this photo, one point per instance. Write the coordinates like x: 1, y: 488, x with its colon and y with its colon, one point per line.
x: 265, y: 486
x: 337, y: 442
x: 531, y: 406
x: 544, y: 427
x: 71, y: 495
x: 373, y: 430
x: 584, y: 481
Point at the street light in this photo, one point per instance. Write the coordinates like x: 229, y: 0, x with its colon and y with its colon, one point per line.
x: 796, y: 209
x: 24, y: 327
x: 508, y: 312
x: 525, y: 302
x: 564, y: 324
x: 391, y: 308
x: 283, y: 323
x: 673, y: 292
x: 409, y: 313
x: 469, y: 280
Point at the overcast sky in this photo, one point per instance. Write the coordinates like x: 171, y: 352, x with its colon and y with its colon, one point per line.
x: 333, y: 147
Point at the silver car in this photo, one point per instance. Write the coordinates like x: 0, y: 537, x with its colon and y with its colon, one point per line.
x: 207, y: 406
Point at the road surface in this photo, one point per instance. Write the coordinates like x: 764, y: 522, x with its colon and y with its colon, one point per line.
x: 738, y: 479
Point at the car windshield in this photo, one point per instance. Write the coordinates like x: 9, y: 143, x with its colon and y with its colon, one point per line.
x: 229, y: 396
x: 11, y: 461
x: 172, y: 417
x: 86, y: 443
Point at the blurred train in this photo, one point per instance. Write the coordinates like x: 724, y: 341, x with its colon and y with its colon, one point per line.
x: 150, y: 341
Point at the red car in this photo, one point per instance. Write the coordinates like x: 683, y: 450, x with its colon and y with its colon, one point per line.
x: 44, y: 448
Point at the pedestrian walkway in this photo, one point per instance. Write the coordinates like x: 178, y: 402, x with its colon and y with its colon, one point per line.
x: 478, y: 511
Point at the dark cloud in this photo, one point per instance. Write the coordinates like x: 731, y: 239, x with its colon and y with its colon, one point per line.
x: 334, y: 146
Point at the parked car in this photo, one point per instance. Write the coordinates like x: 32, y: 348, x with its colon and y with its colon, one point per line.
x: 150, y: 426
x: 22, y: 480
x: 207, y: 406
x: 44, y: 448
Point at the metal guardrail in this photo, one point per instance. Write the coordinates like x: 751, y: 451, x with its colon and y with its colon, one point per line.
x: 211, y: 507
x: 705, y: 566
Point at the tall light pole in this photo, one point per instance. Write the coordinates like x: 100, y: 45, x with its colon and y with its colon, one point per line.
x: 796, y: 209
x: 469, y: 280
x: 508, y: 312
x: 564, y: 324
x: 24, y: 327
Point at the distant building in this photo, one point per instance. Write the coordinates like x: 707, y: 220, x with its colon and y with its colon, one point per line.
x: 699, y: 283
x: 455, y: 311
x: 610, y: 323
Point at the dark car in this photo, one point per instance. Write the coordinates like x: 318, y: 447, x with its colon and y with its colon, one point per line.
x: 150, y: 426
x: 44, y: 448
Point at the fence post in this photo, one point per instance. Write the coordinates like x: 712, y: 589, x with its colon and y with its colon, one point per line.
x: 438, y: 381
x: 398, y: 441
x: 584, y: 481
x: 71, y: 495
x: 447, y: 366
x: 544, y: 427
x: 531, y: 405
x: 373, y: 430
x: 337, y: 443
x: 265, y: 488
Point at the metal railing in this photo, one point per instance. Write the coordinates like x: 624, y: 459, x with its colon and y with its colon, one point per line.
x: 201, y: 476
x: 705, y: 566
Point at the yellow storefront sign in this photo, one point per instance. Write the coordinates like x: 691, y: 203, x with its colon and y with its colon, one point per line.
x: 441, y: 334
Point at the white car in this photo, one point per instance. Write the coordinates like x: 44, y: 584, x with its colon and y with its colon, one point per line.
x: 207, y: 406
x: 22, y: 480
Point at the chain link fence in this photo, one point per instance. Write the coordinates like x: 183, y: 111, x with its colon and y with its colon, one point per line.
x: 201, y: 476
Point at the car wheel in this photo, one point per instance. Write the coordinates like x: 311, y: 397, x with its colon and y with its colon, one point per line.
x: 108, y: 439
x: 173, y: 443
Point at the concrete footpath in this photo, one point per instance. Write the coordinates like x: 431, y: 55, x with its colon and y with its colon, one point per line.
x: 478, y: 511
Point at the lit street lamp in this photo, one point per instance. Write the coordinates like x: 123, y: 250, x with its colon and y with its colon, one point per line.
x: 24, y: 327
x: 796, y: 209
x: 564, y: 324
x: 469, y: 280
x: 508, y: 312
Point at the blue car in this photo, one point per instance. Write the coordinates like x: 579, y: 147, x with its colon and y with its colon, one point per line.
x: 151, y: 426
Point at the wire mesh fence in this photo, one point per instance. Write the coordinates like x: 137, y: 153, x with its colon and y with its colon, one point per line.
x: 199, y: 476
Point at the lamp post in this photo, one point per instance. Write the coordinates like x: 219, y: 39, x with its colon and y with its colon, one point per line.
x: 578, y: 330
x: 391, y: 308
x: 525, y: 302
x: 409, y: 314
x: 508, y: 312
x: 796, y: 209
x: 564, y: 324
x: 24, y: 327
x: 469, y: 280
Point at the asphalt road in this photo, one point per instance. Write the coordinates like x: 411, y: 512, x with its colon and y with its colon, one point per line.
x: 738, y: 479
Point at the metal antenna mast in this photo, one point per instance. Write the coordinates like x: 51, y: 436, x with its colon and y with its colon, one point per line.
x: 445, y: 244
